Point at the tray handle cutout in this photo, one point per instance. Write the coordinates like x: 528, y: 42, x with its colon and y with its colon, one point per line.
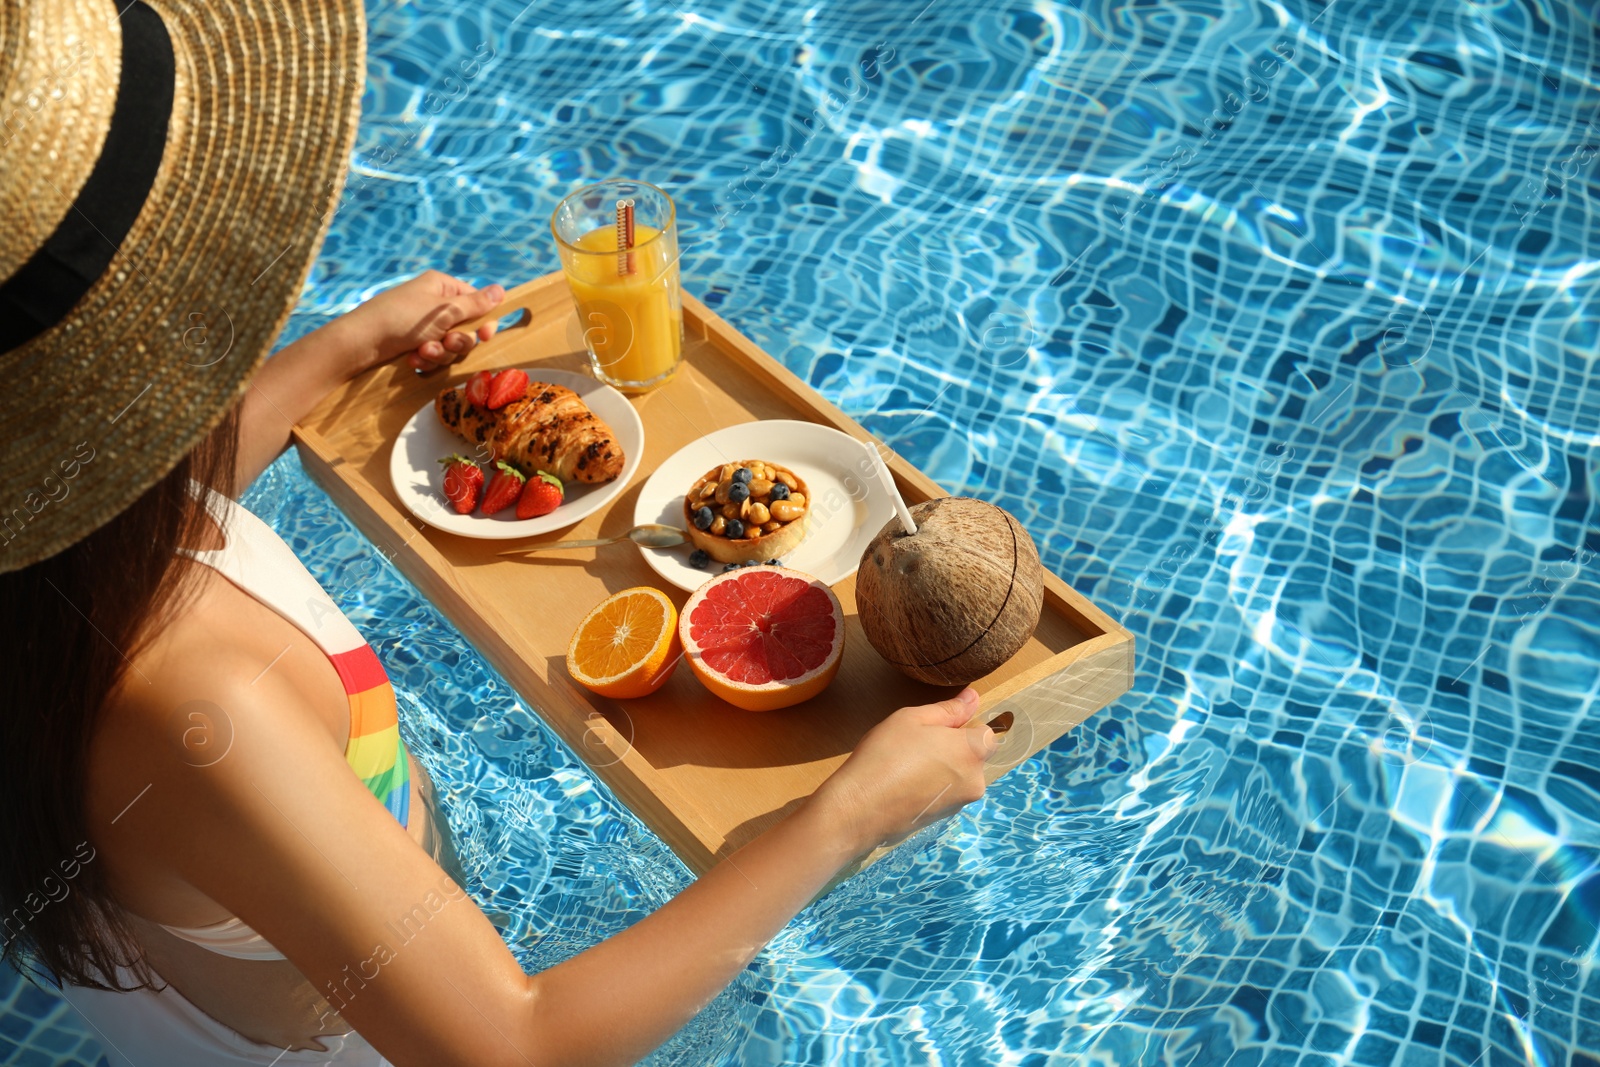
x: 521, y: 299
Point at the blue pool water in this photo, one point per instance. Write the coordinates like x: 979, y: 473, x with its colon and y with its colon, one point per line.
x: 1274, y: 322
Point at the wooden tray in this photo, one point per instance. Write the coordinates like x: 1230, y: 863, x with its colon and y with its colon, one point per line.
x: 704, y: 775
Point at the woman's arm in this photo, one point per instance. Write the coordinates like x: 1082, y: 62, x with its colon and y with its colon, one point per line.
x: 615, y: 1002
x: 414, y: 320
x: 639, y: 987
x: 281, y: 832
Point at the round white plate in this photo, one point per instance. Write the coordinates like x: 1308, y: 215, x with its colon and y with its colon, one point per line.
x: 419, y: 476
x: 848, y: 503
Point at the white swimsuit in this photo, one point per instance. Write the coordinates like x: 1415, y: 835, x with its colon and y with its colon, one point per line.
x: 144, y: 1028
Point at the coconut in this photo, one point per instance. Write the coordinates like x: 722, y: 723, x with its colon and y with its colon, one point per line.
x: 955, y: 600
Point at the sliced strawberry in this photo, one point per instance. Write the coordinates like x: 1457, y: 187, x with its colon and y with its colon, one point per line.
x: 462, y: 480
x: 504, y: 489
x: 477, y: 390
x: 541, y: 497
x: 510, y: 384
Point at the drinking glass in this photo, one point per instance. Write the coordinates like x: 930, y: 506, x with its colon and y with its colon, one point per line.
x: 629, y: 306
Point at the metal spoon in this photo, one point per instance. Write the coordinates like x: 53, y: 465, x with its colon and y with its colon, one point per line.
x: 649, y: 535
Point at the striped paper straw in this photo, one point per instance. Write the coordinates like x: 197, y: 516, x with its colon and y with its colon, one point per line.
x: 624, y: 237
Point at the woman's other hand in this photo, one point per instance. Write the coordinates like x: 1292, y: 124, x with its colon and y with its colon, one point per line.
x: 416, y: 321
x: 913, y: 768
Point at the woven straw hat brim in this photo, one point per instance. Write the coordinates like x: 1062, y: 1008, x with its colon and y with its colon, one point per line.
x: 61, y: 65
x: 266, y: 102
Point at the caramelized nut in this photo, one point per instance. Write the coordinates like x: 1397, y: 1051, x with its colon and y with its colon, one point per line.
x: 768, y: 527
x: 788, y: 479
x: 721, y: 494
x: 797, y: 498
x: 730, y: 511
x: 755, y: 512
x: 718, y: 524
x: 760, y: 486
x: 727, y: 472
x: 786, y: 510
x: 706, y: 490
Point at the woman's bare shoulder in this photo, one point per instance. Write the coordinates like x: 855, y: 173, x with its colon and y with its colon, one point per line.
x: 193, y: 697
x: 196, y: 654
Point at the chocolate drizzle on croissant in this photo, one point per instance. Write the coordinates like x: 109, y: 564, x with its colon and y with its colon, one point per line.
x: 549, y: 429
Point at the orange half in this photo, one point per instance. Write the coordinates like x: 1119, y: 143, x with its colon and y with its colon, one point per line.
x: 627, y: 646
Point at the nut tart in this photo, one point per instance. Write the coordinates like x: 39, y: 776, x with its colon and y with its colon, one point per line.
x: 750, y: 510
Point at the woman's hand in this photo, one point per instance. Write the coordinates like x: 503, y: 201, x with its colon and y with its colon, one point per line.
x: 913, y: 768
x: 416, y: 321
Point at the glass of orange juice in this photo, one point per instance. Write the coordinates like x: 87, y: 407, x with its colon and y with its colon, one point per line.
x: 629, y: 307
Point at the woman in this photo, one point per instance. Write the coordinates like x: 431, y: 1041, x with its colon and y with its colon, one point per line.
x: 210, y: 833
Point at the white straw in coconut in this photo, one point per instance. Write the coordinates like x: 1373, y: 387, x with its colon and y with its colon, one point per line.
x: 894, y: 491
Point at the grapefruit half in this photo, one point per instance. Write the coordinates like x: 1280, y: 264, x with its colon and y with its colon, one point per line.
x: 763, y: 638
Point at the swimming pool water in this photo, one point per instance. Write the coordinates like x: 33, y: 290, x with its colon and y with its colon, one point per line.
x: 1274, y: 322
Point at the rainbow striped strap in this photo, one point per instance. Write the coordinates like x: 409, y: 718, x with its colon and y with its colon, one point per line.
x: 375, y: 751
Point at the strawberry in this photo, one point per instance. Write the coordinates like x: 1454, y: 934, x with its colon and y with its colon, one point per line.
x: 462, y: 480
x: 541, y: 496
x: 504, y: 489
x: 477, y: 390
x: 510, y: 384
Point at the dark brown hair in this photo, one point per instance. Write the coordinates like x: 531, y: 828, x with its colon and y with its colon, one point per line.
x: 68, y: 626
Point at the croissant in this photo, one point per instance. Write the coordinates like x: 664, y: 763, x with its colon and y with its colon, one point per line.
x: 550, y: 429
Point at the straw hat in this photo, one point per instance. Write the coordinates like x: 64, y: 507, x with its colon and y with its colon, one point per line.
x: 166, y: 177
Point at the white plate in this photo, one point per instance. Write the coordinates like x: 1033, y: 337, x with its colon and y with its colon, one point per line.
x: 848, y: 504
x: 419, y: 476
